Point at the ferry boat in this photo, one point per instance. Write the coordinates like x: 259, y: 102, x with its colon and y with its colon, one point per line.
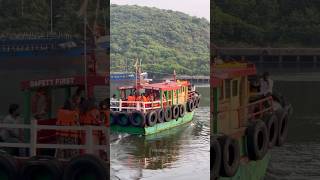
x: 65, y: 142
x: 148, y: 108
x: 245, y: 126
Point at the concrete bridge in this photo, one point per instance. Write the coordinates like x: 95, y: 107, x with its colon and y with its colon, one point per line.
x: 276, y: 59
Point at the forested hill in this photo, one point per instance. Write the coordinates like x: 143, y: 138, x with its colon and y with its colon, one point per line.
x: 164, y: 40
x: 277, y: 23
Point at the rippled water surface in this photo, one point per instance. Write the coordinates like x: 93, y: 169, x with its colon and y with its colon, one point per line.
x: 299, y: 158
x: 181, y: 153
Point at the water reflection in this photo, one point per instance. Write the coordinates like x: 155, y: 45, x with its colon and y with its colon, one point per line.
x: 179, y: 153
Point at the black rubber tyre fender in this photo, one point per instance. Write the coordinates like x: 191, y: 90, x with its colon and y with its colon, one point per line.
x: 175, y: 111
x: 137, y: 119
x: 215, y: 158
x: 113, y: 117
x: 123, y: 118
x: 198, y: 102
x: 167, y: 114
x: 230, y: 156
x: 160, y: 115
x: 194, y: 103
x: 39, y: 167
x: 283, y: 129
x: 257, y: 140
x: 152, y: 118
x: 9, y: 167
x: 182, y: 110
x: 271, y: 121
x: 86, y: 165
x: 189, y: 105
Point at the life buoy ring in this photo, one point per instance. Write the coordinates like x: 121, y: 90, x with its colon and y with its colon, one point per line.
x: 175, y: 111
x: 257, y: 140
x: 283, y: 128
x: 152, y: 118
x: 167, y: 114
x: 85, y: 165
x: 113, y: 118
x: 8, y: 166
x: 272, y: 124
x: 123, y: 119
x: 190, y: 105
x: 137, y: 119
x: 182, y: 110
x: 215, y: 158
x: 160, y: 114
x: 230, y: 152
x: 41, y: 167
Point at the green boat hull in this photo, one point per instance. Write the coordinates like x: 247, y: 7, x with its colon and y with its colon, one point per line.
x: 252, y: 170
x: 156, y: 128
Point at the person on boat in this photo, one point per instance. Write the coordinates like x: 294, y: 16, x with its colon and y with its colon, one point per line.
x: 266, y: 85
x: 12, y: 135
x: 77, y: 98
x: 131, y: 98
x: 40, y: 104
x: 68, y: 115
x: 113, y: 101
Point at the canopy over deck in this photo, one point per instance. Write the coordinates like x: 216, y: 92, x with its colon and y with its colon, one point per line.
x: 164, y: 86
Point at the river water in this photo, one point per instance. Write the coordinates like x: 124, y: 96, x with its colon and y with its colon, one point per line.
x: 299, y: 158
x: 182, y: 153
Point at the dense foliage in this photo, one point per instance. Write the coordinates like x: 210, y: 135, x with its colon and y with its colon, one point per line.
x: 34, y: 16
x: 164, y: 40
x: 276, y: 23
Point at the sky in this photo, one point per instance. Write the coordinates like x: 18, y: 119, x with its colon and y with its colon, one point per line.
x: 199, y: 8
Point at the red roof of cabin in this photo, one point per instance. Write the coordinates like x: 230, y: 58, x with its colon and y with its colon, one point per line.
x: 165, y: 86
x: 222, y: 73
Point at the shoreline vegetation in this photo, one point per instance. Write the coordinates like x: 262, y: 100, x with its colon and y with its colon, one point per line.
x: 34, y: 17
x: 266, y: 23
x: 164, y: 40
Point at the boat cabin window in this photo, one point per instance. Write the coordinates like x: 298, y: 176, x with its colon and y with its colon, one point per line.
x: 235, y: 88
x: 227, y: 83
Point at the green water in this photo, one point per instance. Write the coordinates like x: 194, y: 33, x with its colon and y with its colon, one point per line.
x: 180, y: 153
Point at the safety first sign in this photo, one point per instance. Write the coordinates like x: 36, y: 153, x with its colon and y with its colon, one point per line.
x: 52, y: 82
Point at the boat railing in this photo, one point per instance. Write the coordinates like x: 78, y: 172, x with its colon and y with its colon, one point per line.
x: 119, y: 105
x: 255, y: 110
x: 88, y: 146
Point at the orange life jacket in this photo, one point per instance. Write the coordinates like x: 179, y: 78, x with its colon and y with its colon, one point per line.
x: 67, y: 118
x: 91, y: 117
x: 106, y: 120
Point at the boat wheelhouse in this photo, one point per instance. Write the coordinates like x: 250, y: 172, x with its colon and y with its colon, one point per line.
x: 63, y: 143
x: 245, y: 124
x: 147, y: 108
